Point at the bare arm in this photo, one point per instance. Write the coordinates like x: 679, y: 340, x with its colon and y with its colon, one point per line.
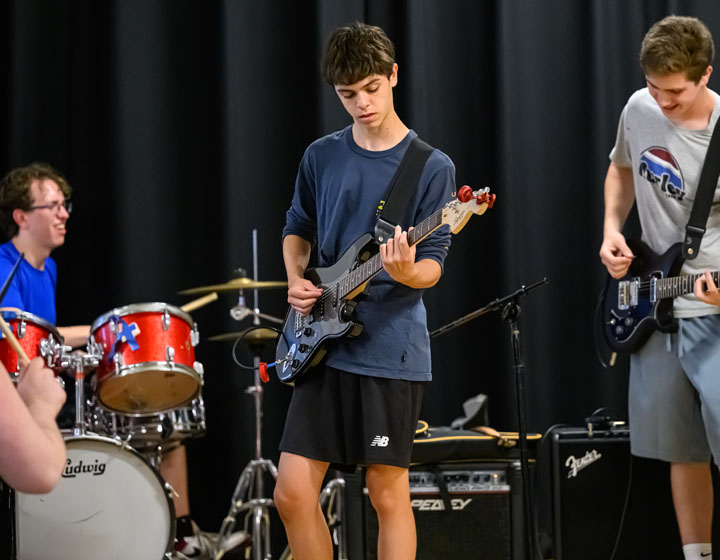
x: 398, y: 260
x: 302, y: 294
x: 619, y: 200
x: 75, y: 336
x: 32, y: 450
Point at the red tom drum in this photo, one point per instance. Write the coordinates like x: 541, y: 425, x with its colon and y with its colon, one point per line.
x: 148, y: 362
x: 32, y: 332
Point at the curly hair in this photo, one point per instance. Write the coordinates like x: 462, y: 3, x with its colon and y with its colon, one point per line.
x: 15, y: 191
x: 677, y: 44
x: 356, y: 51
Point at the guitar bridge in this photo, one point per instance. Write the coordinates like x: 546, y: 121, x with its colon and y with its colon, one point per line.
x: 628, y: 293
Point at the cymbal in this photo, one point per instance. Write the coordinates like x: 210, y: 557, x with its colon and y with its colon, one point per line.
x: 234, y: 284
x: 255, y: 336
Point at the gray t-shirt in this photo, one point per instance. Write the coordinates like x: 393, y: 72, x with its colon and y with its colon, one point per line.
x: 666, y: 161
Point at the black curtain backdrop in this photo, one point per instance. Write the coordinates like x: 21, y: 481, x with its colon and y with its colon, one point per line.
x: 181, y: 124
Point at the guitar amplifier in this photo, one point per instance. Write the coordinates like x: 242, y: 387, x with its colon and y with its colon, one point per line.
x: 592, y: 477
x: 478, y: 513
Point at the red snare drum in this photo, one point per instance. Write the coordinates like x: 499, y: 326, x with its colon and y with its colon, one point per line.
x: 31, y: 331
x: 148, y: 363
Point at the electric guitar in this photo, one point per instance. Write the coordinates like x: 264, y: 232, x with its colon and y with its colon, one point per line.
x: 641, y: 301
x: 302, y: 342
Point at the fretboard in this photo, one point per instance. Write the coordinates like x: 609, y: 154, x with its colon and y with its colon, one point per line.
x: 680, y: 285
x: 361, y: 274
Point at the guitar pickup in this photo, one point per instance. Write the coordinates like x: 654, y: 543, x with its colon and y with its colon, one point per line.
x: 628, y: 293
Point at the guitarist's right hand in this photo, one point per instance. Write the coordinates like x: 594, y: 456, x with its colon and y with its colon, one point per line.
x: 615, y: 254
x: 302, y: 295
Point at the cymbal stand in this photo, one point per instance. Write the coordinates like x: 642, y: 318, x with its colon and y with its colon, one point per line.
x: 249, y: 494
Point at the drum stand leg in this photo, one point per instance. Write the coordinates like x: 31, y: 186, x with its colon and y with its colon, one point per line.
x: 249, y: 497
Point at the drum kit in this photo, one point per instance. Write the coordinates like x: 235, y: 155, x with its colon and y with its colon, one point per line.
x: 144, y: 399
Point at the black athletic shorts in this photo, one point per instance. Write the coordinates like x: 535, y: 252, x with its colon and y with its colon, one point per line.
x: 348, y: 419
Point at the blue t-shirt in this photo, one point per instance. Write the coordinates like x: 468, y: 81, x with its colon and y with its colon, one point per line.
x: 338, y: 190
x: 32, y: 290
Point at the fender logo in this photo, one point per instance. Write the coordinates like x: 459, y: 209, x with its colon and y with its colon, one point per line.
x: 576, y: 465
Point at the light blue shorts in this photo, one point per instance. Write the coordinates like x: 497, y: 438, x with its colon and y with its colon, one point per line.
x: 674, y: 402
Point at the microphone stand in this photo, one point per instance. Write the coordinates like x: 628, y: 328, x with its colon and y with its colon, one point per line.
x: 511, y: 313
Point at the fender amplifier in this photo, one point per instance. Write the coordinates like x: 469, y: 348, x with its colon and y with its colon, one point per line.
x: 478, y: 513
x: 593, y: 474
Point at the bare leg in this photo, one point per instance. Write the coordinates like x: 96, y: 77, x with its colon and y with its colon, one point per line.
x: 389, y: 490
x: 693, y: 498
x: 297, y: 491
x: 173, y: 469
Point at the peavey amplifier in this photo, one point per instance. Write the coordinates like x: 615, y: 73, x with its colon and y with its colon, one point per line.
x: 463, y: 511
x: 592, y: 475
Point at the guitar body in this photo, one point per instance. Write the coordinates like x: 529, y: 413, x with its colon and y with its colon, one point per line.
x: 304, y: 338
x: 627, y: 328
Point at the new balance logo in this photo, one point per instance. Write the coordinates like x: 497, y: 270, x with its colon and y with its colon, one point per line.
x: 380, y: 441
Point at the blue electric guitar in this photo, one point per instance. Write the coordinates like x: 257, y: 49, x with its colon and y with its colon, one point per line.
x: 642, y: 301
x: 302, y: 342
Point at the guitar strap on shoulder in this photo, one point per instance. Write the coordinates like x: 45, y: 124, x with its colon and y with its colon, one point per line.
x: 695, y: 228
x: 401, y: 187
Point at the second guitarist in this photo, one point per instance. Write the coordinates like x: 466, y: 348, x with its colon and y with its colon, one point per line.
x: 662, y: 139
x: 362, y: 404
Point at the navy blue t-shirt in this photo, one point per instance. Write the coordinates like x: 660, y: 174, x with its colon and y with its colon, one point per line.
x: 32, y: 290
x: 338, y: 190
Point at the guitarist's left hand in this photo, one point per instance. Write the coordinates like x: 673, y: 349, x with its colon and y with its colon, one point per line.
x: 706, y: 290
x: 398, y: 258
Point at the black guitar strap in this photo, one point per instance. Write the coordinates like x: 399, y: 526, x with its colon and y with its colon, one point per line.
x: 695, y: 228
x: 401, y: 187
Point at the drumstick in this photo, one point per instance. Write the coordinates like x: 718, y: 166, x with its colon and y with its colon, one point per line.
x: 7, y: 333
x: 199, y: 302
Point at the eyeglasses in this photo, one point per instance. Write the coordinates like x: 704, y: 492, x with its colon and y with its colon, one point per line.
x: 53, y: 207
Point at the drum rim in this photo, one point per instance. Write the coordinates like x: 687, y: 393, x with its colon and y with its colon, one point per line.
x: 9, y: 315
x: 149, y: 307
x: 153, y: 470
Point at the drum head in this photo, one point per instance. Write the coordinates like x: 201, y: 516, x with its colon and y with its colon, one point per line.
x: 149, y: 388
x: 110, y: 504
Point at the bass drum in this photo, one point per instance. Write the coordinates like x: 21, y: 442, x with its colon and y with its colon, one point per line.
x: 110, y: 504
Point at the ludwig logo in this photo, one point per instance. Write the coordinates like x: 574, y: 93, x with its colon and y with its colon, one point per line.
x: 380, y: 441
x: 71, y: 471
x: 576, y: 465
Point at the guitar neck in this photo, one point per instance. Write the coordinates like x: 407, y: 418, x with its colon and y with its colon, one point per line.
x: 675, y: 286
x: 357, y: 277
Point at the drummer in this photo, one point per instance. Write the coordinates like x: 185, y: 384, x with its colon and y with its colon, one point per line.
x: 34, y: 210
x: 32, y: 451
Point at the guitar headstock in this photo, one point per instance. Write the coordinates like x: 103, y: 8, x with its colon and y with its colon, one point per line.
x: 457, y: 212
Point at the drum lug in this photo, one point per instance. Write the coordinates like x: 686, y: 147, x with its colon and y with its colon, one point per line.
x: 21, y: 328
x: 114, y: 324
x: 194, y: 336
x: 199, y: 369
x: 119, y: 363
x: 166, y: 320
x: 171, y: 492
x: 170, y: 353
